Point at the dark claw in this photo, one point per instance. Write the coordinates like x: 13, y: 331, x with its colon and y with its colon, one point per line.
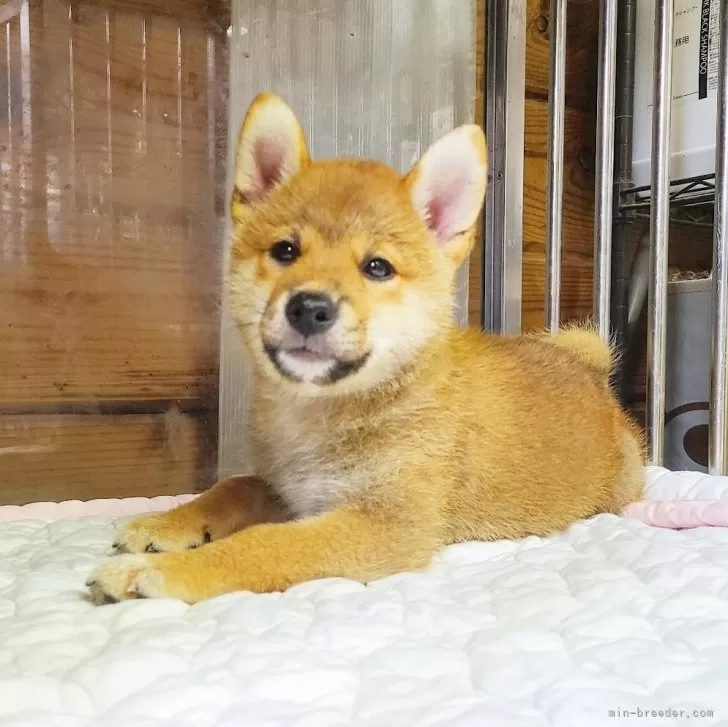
x: 151, y: 548
x: 206, y: 538
x: 108, y: 600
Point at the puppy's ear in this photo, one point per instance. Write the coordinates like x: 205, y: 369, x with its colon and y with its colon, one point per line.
x: 447, y: 187
x: 271, y: 149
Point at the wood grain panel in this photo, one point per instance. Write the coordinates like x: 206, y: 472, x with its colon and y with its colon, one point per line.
x: 578, y: 216
x: 578, y: 165
x: 110, y: 212
x: 581, y: 58
x: 54, y: 458
x: 113, y: 151
x: 212, y: 13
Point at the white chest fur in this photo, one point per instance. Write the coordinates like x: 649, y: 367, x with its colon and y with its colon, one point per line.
x: 311, y: 494
x: 308, y: 463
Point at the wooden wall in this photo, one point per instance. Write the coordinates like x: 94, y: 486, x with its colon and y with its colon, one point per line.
x: 578, y: 164
x: 112, y: 146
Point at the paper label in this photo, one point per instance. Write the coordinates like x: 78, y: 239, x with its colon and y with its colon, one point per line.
x: 696, y: 43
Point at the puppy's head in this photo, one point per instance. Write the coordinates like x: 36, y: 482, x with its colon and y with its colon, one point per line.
x: 342, y: 270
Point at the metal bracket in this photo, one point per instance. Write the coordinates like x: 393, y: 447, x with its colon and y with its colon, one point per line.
x: 505, y: 78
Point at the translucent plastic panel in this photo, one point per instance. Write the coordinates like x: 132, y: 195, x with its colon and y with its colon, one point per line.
x: 373, y: 78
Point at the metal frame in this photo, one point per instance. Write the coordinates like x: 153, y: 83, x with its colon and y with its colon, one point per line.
x: 555, y: 162
x: 617, y: 201
x: 621, y: 274
x: 603, y: 193
x: 505, y: 79
x: 687, y: 192
x: 659, y: 231
x: 718, y: 439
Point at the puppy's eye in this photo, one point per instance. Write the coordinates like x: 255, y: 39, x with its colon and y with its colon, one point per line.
x: 378, y: 268
x: 285, y: 252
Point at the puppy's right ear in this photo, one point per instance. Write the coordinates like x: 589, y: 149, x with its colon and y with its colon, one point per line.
x: 271, y: 149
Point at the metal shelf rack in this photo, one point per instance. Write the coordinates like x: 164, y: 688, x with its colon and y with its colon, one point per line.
x: 617, y: 201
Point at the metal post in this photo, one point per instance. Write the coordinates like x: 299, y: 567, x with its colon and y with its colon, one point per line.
x: 659, y: 230
x: 603, y: 193
x: 505, y: 78
x: 555, y: 164
x: 624, y: 219
x: 718, y: 441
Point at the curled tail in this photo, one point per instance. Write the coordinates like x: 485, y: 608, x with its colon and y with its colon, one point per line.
x: 583, y: 342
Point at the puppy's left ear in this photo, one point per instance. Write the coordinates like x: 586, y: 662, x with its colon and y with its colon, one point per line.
x: 447, y: 187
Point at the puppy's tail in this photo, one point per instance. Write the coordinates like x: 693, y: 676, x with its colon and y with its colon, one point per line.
x: 584, y: 343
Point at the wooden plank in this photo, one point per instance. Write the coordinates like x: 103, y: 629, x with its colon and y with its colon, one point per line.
x: 54, y: 458
x: 581, y: 52
x: 115, y: 295
x: 578, y: 208
x: 212, y: 13
x: 578, y: 172
x: 73, y: 331
x: 577, y: 223
x: 578, y: 218
x: 576, y: 288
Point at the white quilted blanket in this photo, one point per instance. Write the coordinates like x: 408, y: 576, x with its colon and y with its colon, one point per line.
x: 613, y: 622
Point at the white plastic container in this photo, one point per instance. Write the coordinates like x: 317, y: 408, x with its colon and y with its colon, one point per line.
x: 688, y: 374
x: 694, y: 84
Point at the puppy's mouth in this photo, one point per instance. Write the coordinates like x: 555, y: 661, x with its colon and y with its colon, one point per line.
x: 305, y: 364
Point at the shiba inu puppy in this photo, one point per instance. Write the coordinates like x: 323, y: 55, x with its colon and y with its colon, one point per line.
x: 382, y: 432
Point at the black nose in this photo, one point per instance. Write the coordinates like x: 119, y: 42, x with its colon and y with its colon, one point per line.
x: 311, y: 313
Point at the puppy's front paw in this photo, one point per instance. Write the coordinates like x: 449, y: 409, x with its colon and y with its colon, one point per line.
x: 184, y: 576
x: 168, y: 531
x: 124, y: 577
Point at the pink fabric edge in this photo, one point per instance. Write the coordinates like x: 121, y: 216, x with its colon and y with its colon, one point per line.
x: 680, y: 514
